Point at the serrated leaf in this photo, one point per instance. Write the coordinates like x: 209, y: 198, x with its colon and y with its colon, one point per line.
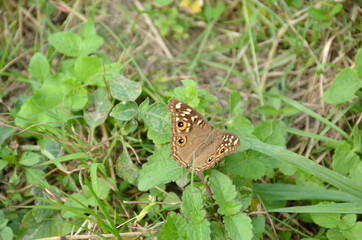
x: 124, y: 89
x: 229, y: 208
x: 343, y: 88
x: 222, y: 187
x: 39, y: 66
x: 175, y: 227
x: 238, y: 226
x: 68, y: 43
x: 192, y: 205
x: 199, y: 230
x: 124, y: 111
x: 217, y: 231
x: 251, y: 166
x: 160, y: 168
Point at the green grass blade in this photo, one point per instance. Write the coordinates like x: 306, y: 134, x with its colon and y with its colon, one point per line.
x: 304, y: 164
x: 294, y: 192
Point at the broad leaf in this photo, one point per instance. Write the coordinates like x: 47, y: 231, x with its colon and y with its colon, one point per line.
x: 160, y: 168
x: 238, y: 226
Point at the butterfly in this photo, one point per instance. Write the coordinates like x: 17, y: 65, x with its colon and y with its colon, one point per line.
x: 193, y: 138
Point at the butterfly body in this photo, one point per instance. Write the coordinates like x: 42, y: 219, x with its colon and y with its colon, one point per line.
x: 193, y: 138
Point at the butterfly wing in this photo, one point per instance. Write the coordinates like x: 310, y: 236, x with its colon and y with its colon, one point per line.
x: 221, y: 145
x: 189, y: 131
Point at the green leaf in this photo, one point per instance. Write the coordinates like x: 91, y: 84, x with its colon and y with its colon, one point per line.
x: 251, y: 166
x: 358, y: 62
x: 100, y: 110
x: 334, y: 234
x: 29, y: 158
x: 162, y: 3
x: 327, y: 220
x: 240, y: 125
x: 41, y: 107
x: 258, y: 227
x: 89, y: 70
x: 31, y: 228
x: 270, y: 131
x: 171, y: 198
x: 355, y: 207
x: 229, y: 208
x: 198, y: 227
x: 157, y: 117
x: 266, y: 110
x: 5, y: 132
x: 36, y: 177
x: 160, y: 168
x: 217, y: 231
x: 159, y: 137
x: 90, y: 44
x: 357, y: 138
x: 356, y: 173
x: 175, y: 227
x: 336, y: 9
x: 199, y: 230
x: 124, y: 111
x: 39, y: 66
x: 126, y: 169
x: 355, y: 232
x: 88, y: 29
x: 234, y: 100
x: 317, y: 14
x: 343, y: 88
x: 124, y: 89
x: 344, y: 159
x: 71, y: 202
x: 6, y: 233
x: 192, y: 205
x: 347, y: 221
x: 76, y: 99
x: 222, y: 187
x: 294, y: 192
x: 306, y: 165
x: 238, y: 226
x: 68, y: 43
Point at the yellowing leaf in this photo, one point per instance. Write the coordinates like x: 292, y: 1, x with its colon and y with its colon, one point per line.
x: 191, y: 6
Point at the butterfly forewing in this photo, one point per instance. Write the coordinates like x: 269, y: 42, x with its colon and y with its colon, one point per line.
x: 189, y: 130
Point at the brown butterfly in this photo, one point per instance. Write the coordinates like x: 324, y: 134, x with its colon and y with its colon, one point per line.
x: 192, y: 136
